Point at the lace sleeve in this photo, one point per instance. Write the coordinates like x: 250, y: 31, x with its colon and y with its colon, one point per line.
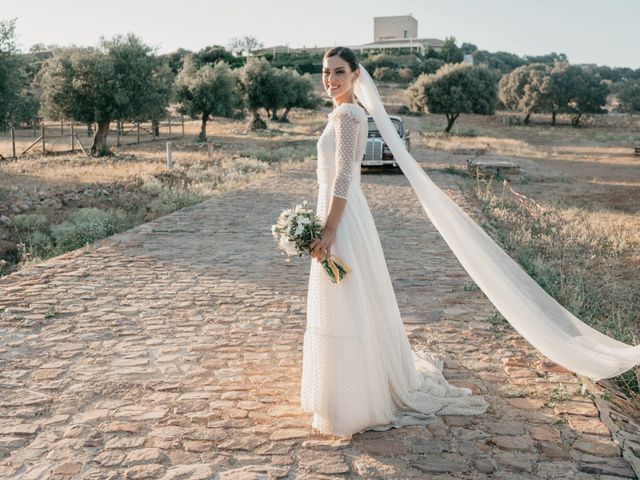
x: 346, y: 129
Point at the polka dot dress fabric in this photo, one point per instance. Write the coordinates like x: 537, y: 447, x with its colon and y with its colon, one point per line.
x: 359, y: 371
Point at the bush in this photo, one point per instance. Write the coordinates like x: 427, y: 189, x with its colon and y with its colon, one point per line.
x: 385, y: 73
x: 29, y: 222
x: 405, y: 75
x: 171, y: 199
x: 40, y: 244
x: 84, y: 226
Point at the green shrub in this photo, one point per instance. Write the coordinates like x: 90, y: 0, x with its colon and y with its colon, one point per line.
x: 40, y: 244
x: 29, y: 222
x: 84, y: 226
x: 172, y: 199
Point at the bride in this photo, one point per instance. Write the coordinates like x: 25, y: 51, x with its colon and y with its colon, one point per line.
x: 359, y: 371
x: 358, y: 367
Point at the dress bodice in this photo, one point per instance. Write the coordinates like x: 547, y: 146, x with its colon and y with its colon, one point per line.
x: 341, y: 147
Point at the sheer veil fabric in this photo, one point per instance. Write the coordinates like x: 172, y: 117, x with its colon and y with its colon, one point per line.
x: 538, y: 317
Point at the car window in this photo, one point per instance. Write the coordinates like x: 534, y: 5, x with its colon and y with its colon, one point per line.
x: 373, y: 130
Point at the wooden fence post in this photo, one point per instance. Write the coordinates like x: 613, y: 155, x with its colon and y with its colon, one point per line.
x: 13, y: 141
x: 73, y: 140
x: 182, y: 119
x: 169, y: 157
x: 44, y: 150
x: 169, y: 126
x: 138, y: 129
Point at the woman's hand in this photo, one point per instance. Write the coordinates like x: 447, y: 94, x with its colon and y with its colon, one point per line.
x: 321, y: 247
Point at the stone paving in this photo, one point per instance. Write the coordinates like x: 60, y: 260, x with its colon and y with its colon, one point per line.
x: 173, y: 351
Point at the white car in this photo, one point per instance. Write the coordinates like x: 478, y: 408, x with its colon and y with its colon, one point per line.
x: 377, y: 153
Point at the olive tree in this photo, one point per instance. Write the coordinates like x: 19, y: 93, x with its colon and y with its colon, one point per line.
x: 589, y: 95
x: 264, y: 86
x: 258, y: 85
x: 11, y: 79
x: 120, y: 80
x: 573, y: 90
x: 456, y: 89
x: 525, y: 89
x: 206, y: 91
x: 629, y: 97
x: 297, y: 92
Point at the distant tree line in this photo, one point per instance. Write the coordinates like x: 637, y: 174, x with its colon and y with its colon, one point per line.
x: 122, y: 79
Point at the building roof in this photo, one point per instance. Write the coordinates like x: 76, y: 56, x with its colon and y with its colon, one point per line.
x: 403, y: 41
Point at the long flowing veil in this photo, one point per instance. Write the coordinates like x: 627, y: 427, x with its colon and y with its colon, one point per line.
x: 537, y: 316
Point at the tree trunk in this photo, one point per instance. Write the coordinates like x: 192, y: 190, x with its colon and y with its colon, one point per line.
x: 575, y: 121
x: 99, y: 146
x: 256, y: 122
x: 156, y: 127
x: 450, y: 120
x: 553, y: 119
x: 284, y: 117
x: 274, y: 115
x: 527, y: 118
x: 203, y: 128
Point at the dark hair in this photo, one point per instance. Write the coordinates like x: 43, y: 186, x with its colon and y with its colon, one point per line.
x: 344, y: 53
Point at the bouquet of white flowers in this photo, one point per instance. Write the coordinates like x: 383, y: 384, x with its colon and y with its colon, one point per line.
x: 294, y: 231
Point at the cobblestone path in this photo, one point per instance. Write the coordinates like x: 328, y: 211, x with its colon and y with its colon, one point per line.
x: 173, y: 351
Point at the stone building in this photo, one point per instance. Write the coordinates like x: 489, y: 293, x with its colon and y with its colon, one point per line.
x: 390, y: 34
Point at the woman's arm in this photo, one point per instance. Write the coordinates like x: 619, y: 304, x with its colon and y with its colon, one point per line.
x: 346, y: 128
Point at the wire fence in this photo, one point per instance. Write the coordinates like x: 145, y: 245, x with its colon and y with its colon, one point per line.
x: 68, y: 137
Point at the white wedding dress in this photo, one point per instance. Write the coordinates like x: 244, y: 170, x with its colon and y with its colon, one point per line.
x: 359, y: 371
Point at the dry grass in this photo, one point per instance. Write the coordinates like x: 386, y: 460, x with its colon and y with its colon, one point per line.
x: 41, y: 194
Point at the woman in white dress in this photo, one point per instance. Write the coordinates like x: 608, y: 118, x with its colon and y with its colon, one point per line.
x: 359, y: 371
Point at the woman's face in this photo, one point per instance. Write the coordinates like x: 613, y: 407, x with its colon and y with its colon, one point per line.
x: 337, y: 78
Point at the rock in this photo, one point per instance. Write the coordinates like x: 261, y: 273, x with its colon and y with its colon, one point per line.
x: 189, y: 472
x: 484, y: 465
x: 151, y: 470
x: 508, y: 427
x: 68, y: 468
x: 440, y: 464
x: 384, y: 447
x: 526, y: 403
x: 597, y: 446
x: 319, y: 462
x: 254, y: 472
x: 613, y: 466
x: 288, y: 433
x: 145, y: 455
x: 247, y: 443
x: 513, y: 443
x: 588, y: 425
x: 553, y: 451
x: 110, y: 458
x: 19, y: 429
x: 547, y: 433
x: 237, y: 413
x: 515, y: 463
x: 197, y: 446
x: 283, y: 410
x: 124, y: 442
x: 577, y: 408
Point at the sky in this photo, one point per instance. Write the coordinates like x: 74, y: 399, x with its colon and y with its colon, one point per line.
x: 587, y: 31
